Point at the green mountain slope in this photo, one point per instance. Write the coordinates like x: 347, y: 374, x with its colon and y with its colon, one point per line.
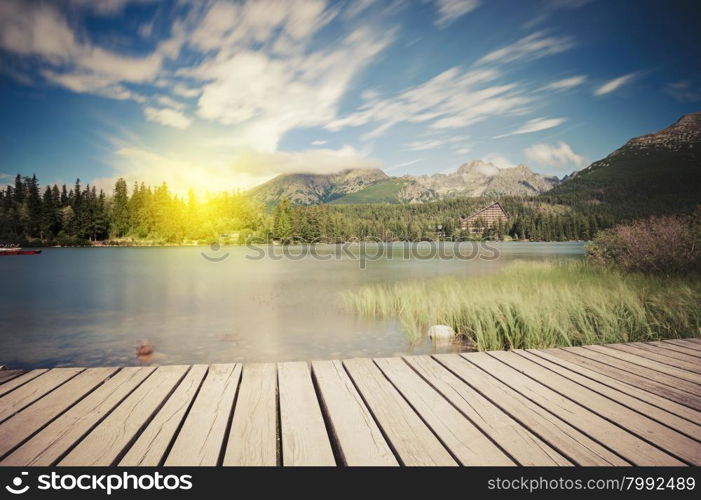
x: 654, y: 173
x: 386, y: 191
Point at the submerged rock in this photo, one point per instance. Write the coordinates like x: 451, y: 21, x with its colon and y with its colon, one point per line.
x: 441, y: 332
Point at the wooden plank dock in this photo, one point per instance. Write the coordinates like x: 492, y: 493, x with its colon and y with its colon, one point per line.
x: 619, y: 404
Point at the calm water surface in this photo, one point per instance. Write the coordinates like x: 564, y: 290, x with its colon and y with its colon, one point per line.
x: 90, y: 307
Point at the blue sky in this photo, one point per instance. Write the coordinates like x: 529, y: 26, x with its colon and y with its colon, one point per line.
x: 224, y: 95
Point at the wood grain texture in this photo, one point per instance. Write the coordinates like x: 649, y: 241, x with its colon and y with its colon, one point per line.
x: 630, y: 447
x: 651, y: 353
x: 557, y: 432
x: 201, y: 438
x: 639, y: 376
x: 673, y: 442
x: 695, y: 346
x: 7, y: 375
x: 412, y: 440
x: 20, y: 427
x: 53, y: 441
x: 106, y: 442
x: 524, y: 446
x: 669, y: 347
x: 661, y: 350
x: 656, y: 425
x: 16, y: 382
x: 151, y: 446
x: 357, y: 436
x: 667, y: 405
x: 466, y: 442
x: 25, y: 395
x: 303, y: 432
x: 646, y: 362
x: 253, y: 435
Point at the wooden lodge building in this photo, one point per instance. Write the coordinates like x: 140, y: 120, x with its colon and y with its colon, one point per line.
x: 488, y: 217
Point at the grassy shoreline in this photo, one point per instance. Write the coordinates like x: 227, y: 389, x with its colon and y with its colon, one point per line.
x: 540, y: 305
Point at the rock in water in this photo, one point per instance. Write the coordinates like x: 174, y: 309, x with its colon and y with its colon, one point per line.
x: 441, y: 332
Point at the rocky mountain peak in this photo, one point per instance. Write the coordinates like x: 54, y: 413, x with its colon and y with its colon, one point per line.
x: 684, y: 132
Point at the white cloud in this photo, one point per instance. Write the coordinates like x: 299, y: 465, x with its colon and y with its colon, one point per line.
x: 451, y: 10
x: 319, y: 142
x: 566, y: 83
x: 167, y: 116
x: 529, y: 48
x: 453, y: 99
x: 554, y: 155
x: 615, y: 84
x: 498, y: 160
x: 535, y: 125
x: 40, y: 30
x: 683, y: 91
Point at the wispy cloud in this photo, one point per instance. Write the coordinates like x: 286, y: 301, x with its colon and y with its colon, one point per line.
x: 453, y: 99
x: 529, y: 48
x: 566, y: 83
x: 553, y: 155
x: 615, y: 84
x: 168, y: 116
x: 535, y: 125
x: 451, y: 10
x: 404, y: 164
x: 319, y: 142
x: 683, y: 91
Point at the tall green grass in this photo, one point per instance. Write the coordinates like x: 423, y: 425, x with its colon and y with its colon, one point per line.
x: 538, y: 305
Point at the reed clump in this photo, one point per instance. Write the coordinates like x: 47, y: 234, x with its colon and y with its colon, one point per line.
x: 540, y: 305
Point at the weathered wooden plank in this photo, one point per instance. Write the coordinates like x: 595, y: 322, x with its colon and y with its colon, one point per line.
x: 466, y: 441
x: 630, y: 447
x: 648, y: 363
x: 201, y: 438
x: 673, y: 442
x: 563, y: 359
x: 16, y: 382
x: 666, y: 386
x: 33, y: 390
x: 303, y: 432
x: 151, y: 445
x: 652, y: 353
x: 693, y: 340
x: 108, y: 440
x: 54, y: 440
x: 20, y: 427
x: 630, y: 397
x: 7, y: 375
x: 669, y: 353
x: 524, y: 446
x: 569, y: 441
x: 412, y: 440
x: 684, y: 343
x: 668, y: 346
x: 358, y: 439
x: 253, y: 435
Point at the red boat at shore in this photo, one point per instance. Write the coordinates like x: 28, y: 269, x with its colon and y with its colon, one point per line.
x: 18, y: 251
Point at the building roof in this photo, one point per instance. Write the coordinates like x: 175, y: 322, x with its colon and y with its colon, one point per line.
x: 487, y: 208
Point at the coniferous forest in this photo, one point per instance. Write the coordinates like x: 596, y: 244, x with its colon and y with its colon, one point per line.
x: 31, y: 214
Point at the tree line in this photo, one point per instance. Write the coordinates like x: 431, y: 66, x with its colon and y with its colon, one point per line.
x: 83, y: 215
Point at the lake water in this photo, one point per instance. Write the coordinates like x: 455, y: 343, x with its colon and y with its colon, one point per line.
x: 92, y: 306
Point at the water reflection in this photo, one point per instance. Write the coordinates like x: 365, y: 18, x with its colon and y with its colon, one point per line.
x: 90, y: 307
